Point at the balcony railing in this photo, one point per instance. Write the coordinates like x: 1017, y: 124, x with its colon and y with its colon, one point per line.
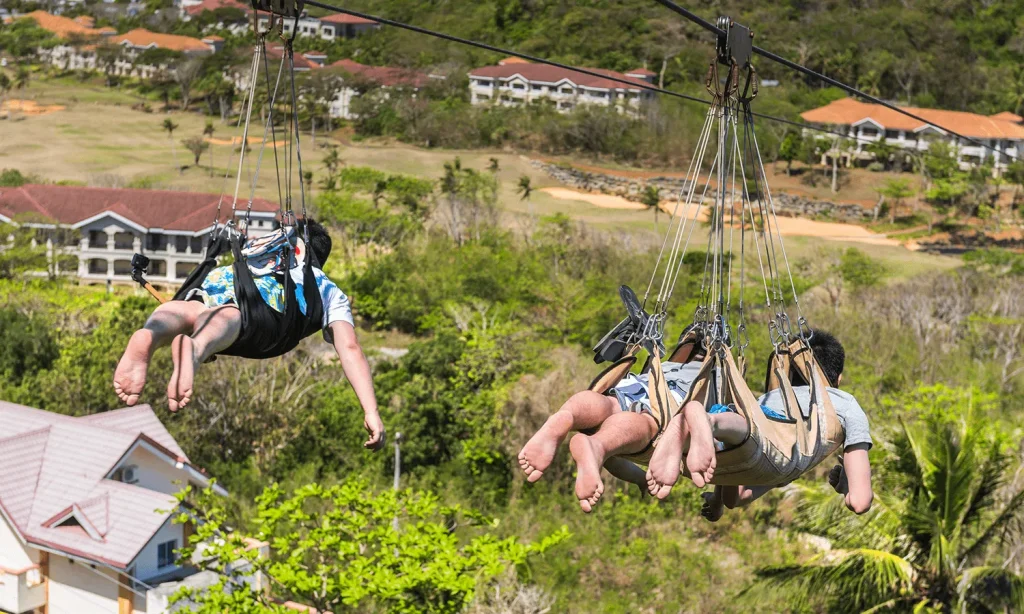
x: 22, y: 590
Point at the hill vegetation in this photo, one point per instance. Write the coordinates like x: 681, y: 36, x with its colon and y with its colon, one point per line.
x: 480, y: 332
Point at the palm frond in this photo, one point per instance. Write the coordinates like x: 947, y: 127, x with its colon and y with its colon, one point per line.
x: 848, y: 581
x: 819, y: 510
x: 993, y: 588
x: 1010, y: 521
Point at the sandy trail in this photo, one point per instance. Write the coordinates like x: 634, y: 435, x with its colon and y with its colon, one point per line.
x: 29, y: 107
x: 253, y: 140
x: 788, y: 226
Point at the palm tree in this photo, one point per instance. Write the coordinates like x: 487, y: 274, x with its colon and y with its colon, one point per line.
x: 525, y: 190
x: 170, y: 127
x: 651, y: 197
x: 5, y: 85
x: 934, y: 541
x: 208, y: 131
x: 21, y: 78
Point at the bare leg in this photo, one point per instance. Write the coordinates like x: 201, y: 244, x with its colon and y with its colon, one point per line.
x: 663, y: 470
x: 216, y: 329
x: 583, y: 410
x: 622, y: 433
x: 167, y: 321
x: 700, y: 457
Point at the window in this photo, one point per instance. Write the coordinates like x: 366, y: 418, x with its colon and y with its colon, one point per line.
x: 537, y: 88
x: 867, y: 131
x: 165, y: 556
x: 518, y: 86
x: 892, y: 134
x: 566, y: 90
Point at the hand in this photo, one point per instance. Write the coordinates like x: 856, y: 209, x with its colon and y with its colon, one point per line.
x: 837, y: 479
x: 713, y: 508
x: 375, y: 427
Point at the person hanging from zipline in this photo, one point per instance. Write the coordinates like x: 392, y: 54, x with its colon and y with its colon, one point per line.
x: 209, y: 321
x: 683, y: 435
x: 611, y: 426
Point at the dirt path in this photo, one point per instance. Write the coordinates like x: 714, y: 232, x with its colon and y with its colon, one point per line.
x: 29, y: 107
x: 788, y: 226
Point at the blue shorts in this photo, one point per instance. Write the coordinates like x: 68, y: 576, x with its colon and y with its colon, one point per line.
x: 219, y: 289
x: 768, y: 412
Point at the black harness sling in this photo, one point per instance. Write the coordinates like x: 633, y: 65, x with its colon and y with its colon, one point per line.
x: 265, y: 332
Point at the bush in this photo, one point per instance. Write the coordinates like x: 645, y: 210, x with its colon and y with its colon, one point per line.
x: 876, y: 167
x: 12, y: 178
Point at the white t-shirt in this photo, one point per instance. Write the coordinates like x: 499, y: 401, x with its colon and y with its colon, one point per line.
x: 337, y: 307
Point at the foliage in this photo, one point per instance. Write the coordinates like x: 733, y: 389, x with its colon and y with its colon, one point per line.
x: 338, y: 549
x: 29, y: 343
x: 22, y: 37
x: 12, y: 178
x: 197, y: 145
x: 932, y: 541
x: 791, y: 148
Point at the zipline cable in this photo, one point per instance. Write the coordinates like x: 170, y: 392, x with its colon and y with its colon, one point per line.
x: 817, y: 75
x: 585, y: 71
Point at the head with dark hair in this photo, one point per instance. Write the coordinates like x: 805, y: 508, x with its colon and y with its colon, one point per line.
x: 319, y: 239
x: 829, y: 354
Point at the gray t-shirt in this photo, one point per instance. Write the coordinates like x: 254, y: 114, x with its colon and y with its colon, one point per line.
x: 852, y: 418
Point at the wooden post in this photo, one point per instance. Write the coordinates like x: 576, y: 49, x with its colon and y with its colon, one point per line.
x: 44, y: 573
x: 124, y: 595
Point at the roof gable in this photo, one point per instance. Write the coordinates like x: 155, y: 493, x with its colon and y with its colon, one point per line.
x: 54, y: 486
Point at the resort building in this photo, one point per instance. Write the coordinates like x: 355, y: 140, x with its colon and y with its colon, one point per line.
x: 515, y: 82
x: 110, y: 225
x: 868, y: 123
x: 86, y: 508
x: 385, y: 77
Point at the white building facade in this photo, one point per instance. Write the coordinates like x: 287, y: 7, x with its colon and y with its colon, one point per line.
x: 517, y: 83
x: 994, y: 140
x: 104, y: 228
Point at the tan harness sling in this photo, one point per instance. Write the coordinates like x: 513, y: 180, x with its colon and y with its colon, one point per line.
x: 775, y: 452
x: 663, y: 404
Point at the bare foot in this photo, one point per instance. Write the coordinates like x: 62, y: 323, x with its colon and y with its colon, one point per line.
x: 713, y: 507
x: 700, y: 459
x: 663, y: 470
x: 537, y: 454
x: 130, y: 375
x: 179, y: 389
x: 589, y: 486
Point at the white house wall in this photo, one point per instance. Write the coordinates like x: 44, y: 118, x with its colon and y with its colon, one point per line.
x: 146, y: 566
x: 77, y: 588
x: 13, y: 554
x: 155, y: 473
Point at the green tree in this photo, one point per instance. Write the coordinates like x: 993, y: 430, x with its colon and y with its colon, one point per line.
x: 345, y: 549
x: 22, y: 77
x: 883, y: 152
x: 896, y: 190
x: 651, y: 198
x: 197, y: 145
x: 934, y: 542
x: 5, y: 86
x: 20, y: 252
x: 493, y: 165
x: 208, y: 131
x: 524, y: 190
x: 170, y: 127
x: 30, y: 344
x: 790, y: 149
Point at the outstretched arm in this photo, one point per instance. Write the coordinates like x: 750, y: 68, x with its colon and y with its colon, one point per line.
x: 853, y: 479
x: 627, y: 471
x: 357, y: 370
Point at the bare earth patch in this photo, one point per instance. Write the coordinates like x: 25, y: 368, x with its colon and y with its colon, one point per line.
x: 788, y: 226
x: 29, y: 107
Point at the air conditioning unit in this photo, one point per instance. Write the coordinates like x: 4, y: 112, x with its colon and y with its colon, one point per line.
x: 130, y: 474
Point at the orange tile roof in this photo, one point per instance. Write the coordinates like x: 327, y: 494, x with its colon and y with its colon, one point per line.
x: 141, y: 37
x: 847, y: 111
x: 61, y: 26
x: 513, y: 60
x: 85, y: 20
x: 1009, y: 117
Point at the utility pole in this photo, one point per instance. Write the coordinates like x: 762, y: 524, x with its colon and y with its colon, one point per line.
x: 398, y: 471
